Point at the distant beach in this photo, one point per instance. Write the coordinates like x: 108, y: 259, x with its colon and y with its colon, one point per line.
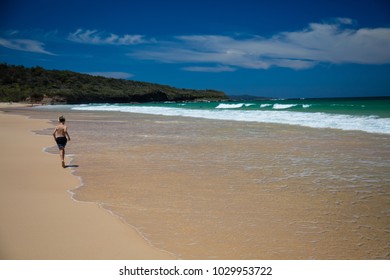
x: 203, y: 188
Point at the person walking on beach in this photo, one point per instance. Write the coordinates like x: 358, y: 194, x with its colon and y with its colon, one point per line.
x: 61, y: 137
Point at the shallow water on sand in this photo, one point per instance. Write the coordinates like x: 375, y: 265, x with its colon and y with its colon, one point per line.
x: 205, y: 189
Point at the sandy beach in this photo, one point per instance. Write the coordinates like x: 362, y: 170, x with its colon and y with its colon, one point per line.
x: 39, y: 219
x: 196, y: 188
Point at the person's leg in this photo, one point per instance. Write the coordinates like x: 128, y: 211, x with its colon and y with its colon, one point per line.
x: 62, y: 155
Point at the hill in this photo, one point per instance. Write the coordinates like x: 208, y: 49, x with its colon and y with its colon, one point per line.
x: 18, y: 83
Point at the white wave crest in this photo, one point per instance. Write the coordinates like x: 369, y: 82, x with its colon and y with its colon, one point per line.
x: 229, y: 106
x: 371, y: 124
x: 283, y: 106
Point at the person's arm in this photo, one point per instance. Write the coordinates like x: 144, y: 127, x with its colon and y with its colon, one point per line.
x: 54, y: 133
x: 66, y: 133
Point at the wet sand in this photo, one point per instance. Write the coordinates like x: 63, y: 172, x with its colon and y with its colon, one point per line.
x: 38, y: 218
x: 204, y: 189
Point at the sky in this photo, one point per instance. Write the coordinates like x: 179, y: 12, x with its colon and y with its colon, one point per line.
x: 280, y: 49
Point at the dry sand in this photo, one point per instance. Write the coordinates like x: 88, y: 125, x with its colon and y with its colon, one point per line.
x: 38, y: 218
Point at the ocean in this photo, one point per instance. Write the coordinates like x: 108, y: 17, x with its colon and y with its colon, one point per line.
x: 365, y: 114
x: 270, y: 179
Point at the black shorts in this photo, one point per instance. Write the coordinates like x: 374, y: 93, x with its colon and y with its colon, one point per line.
x: 61, y: 142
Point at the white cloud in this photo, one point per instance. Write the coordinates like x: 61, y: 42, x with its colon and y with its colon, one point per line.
x: 116, y: 75
x: 329, y: 43
x: 215, y: 69
x: 318, y: 43
x: 24, y: 45
x: 344, y: 20
x: 98, y: 38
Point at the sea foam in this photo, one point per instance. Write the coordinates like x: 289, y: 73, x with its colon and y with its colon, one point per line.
x: 371, y: 124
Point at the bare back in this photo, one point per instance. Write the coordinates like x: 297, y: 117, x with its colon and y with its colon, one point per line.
x: 61, y: 130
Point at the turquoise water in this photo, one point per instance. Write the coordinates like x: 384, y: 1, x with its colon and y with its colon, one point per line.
x: 353, y: 106
x: 370, y: 115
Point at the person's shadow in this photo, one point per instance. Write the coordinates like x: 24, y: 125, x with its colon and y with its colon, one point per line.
x: 71, y: 165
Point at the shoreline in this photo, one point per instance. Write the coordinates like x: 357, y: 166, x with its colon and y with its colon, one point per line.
x: 42, y: 220
x: 203, y: 189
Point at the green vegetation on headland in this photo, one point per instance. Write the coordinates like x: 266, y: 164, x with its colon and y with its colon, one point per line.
x: 38, y: 85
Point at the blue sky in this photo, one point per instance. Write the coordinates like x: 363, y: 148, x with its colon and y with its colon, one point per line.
x: 285, y: 49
